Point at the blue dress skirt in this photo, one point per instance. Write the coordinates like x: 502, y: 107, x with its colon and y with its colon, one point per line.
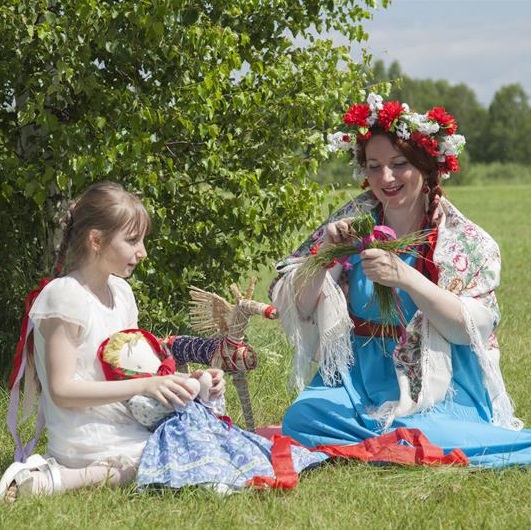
x: 194, y: 447
x: 339, y: 415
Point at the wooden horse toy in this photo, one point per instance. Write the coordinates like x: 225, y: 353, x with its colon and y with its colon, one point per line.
x: 214, y: 316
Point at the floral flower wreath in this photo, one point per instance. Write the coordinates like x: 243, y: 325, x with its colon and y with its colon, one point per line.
x: 434, y: 131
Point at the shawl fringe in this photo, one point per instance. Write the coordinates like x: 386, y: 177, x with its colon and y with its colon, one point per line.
x: 502, y: 405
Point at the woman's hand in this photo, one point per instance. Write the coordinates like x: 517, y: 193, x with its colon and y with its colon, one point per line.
x: 443, y: 309
x: 308, y: 290
x: 385, y: 268
x: 338, y: 232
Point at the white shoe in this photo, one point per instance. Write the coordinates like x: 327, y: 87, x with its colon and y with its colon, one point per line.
x: 20, y: 474
x: 9, y: 476
x: 54, y: 475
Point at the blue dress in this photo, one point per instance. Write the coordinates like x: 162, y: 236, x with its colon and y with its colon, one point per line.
x: 341, y: 415
x: 194, y: 447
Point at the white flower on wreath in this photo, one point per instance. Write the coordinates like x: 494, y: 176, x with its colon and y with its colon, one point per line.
x: 402, y: 131
x: 423, y: 124
x: 337, y: 142
x: 452, y: 145
x: 375, y: 101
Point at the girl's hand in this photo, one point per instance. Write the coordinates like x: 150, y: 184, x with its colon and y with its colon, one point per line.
x: 218, y: 383
x: 384, y: 267
x: 170, y: 390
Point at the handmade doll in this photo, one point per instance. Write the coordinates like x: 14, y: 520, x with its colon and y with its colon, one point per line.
x: 133, y: 353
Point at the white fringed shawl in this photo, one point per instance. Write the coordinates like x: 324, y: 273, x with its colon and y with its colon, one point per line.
x: 468, y: 262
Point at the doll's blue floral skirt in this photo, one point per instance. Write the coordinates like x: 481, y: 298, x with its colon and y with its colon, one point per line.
x: 194, y: 447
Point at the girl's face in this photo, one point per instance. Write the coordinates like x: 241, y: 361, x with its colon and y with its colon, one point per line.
x: 396, y: 183
x: 123, y: 253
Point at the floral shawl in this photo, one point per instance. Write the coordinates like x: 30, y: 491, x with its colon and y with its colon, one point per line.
x: 468, y: 264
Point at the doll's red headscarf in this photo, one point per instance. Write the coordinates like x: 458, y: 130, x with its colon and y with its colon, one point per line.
x: 109, y: 355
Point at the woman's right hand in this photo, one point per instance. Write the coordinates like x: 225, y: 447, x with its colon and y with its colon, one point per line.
x: 171, y: 390
x: 338, y: 232
x: 308, y: 291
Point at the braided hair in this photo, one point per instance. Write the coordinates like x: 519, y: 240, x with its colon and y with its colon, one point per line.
x: 60, y: 257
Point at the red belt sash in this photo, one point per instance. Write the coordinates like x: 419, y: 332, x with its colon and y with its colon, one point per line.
x: 367, y: 328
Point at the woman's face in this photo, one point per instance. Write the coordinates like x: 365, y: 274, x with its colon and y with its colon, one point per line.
x: 396, y: 183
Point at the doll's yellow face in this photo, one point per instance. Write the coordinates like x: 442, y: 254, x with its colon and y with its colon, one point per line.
x: 131, y: 351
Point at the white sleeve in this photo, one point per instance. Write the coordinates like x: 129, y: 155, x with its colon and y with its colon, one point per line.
x: 62, y: 298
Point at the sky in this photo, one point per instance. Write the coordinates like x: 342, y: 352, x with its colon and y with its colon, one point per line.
x: 485, y: 44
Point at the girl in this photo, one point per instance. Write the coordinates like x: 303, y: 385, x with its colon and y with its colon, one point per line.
x: 92, y: 438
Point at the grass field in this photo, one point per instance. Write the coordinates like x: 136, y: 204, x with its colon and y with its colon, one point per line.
x: 340, y: 495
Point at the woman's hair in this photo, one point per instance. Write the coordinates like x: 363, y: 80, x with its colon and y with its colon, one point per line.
x: 105, y: 206
x: 416, y: 156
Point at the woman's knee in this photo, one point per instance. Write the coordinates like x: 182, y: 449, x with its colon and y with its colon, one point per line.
x: 296, y: 419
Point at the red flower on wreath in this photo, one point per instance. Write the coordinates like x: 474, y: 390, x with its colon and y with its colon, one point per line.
x: 445, y: 120
x: 364, y: 136
x: 450, y: 164
x: 357, y: 115
x: 430, y: 145
x: 389, y: 113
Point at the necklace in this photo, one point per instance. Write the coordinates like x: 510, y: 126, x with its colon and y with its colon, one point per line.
x: 103, y: 294
x: 105, y: 297
x: 108, y: 299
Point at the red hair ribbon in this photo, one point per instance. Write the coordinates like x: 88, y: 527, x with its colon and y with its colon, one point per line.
x: 24, y: 337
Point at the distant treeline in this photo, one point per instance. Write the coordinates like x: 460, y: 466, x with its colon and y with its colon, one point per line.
x: 498, y: 137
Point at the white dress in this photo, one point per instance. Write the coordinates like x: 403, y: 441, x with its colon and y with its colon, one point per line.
x: 83, y: 436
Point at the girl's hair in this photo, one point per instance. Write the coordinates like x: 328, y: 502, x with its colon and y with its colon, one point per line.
x: 416, y: 156
x: 105, y: 206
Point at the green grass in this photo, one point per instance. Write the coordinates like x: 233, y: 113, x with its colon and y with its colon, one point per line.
x: 347, y: 494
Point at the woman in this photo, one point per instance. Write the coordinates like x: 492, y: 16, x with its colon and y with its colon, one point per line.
x: 437, y: 367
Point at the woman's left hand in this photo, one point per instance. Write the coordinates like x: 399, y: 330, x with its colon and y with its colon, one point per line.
x: 384, y: 267
x: 218, y: 383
